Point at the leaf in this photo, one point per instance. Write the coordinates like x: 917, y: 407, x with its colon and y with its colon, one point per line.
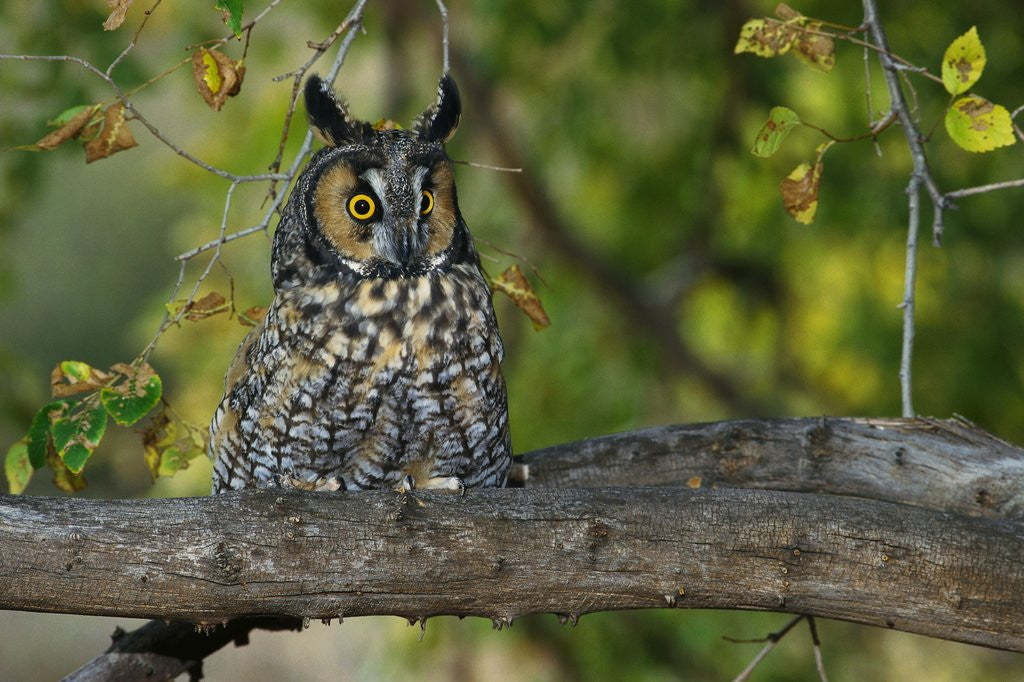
x: 800, y: 188
x: 199, y: 309
x: 780, y: 121
x: 232, y: 10
x: 814, y: 49
x: 963, y: 62
x: 71, y: 126
x: 72, y: 377
x: 158, y: 436
x: 111, y: 137
x: 166, y: 453
x: 38, y: 435
x: 253, y: 316
x: 63, y: 478
x: 514, y: 284
x: 18, y: 467
x: 77, y: 435
x: 119, y: 9
x: 766, y: 37
x: 216, y: 76
x: 977, y: 125
x: 130, y: 400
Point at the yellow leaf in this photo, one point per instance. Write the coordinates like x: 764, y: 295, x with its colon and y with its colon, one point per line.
x: 766, y: 37
x: 800, y: 188
x: 977, y: 125
x: 514, y: 284
x: 963, y: 62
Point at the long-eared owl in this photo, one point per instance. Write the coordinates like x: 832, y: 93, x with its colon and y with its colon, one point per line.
x: 377, y: 365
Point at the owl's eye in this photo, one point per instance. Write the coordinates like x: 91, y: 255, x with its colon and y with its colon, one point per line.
x: 426, y: 202
x: 362, y: 206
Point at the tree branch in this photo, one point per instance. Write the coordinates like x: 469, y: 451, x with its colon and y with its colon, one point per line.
x: 502, y: 554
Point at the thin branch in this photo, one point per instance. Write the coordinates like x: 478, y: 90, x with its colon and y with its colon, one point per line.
x: 134, y: 40
x: 487, y: 166
x: 818, y: 662
x: 981, y: 189
x: 921, y: 175
x: 772, y: 639
x: 908, y: 303
x: 444, y: 33
x: 351, y: 23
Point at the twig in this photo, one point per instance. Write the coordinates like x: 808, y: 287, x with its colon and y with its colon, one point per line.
x: 909, y: 280
x: 818, y: 662
x: 921, y: 175
x: 134, y: 40
x: 772, y: 640
x: 487, y: 166
x: 351, y: 23
x: 981, y: 189
x: 444, y: 33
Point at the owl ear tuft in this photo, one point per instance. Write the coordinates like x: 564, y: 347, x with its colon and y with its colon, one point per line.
x: 328, y: 116
x: 438, y: 123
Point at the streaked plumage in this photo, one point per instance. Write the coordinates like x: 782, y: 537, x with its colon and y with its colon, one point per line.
x: 377, y: 365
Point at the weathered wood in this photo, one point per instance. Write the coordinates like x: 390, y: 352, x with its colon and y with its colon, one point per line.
x: 162, y: 651
x: 946, y: 465
x: 502, y: 554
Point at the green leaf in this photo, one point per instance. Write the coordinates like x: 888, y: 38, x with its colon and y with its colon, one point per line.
x: 780, y: 121
x: 63, y: 479
x: 963, y: 62
x: 65, y: 117
x: 77, y: 435
x: 130, y: 400
x: 232, y: 14
x: 18, y: 467
x: 39, y: 432
x: 74, y: 368
x: 977, y: 125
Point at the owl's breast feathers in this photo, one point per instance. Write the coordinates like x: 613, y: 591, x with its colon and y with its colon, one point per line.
x: 358, y: 384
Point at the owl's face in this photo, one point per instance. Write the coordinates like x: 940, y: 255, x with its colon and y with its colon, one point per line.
x: 376, y: 203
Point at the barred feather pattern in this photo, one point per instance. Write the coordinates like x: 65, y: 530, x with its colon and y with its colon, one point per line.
x: 359, y: 384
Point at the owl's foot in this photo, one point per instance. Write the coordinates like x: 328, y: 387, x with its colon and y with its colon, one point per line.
x: 451, y: 483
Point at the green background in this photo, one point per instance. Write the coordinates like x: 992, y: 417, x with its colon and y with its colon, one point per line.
x: 649, y: 219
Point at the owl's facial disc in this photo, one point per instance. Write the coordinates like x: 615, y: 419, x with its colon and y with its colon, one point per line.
x: 394, y: 218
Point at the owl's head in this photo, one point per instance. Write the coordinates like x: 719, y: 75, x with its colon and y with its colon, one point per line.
x: 374, y: 202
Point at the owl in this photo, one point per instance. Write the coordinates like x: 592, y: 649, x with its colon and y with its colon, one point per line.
x: 378, y: 362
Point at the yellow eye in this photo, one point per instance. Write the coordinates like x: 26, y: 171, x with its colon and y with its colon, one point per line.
x: 362, y: 206
x: 426, y: 202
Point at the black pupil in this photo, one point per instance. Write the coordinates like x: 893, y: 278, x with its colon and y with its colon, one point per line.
x: 362, y: 207
x: 424, y: 203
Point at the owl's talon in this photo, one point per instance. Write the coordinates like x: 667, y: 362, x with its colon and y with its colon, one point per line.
x: 408, y: 483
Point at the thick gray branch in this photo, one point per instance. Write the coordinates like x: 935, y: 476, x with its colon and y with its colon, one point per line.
x: 944, y: 465
x: 501, y: 554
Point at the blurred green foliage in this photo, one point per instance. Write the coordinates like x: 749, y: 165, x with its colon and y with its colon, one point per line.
x: 634, y: 121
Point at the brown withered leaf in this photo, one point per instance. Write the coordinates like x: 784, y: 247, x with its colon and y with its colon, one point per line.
x: 68, y: 131
x: 207, y: 306
x: 119, y: 8
x: 800, y: 188
x: 514, y: 284
x: 253, y: 316
x: 216, y: 76
x: 111, y: 136
x: 70, y: 378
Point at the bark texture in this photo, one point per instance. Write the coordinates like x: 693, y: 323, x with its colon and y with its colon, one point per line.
x: 946, y: 562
